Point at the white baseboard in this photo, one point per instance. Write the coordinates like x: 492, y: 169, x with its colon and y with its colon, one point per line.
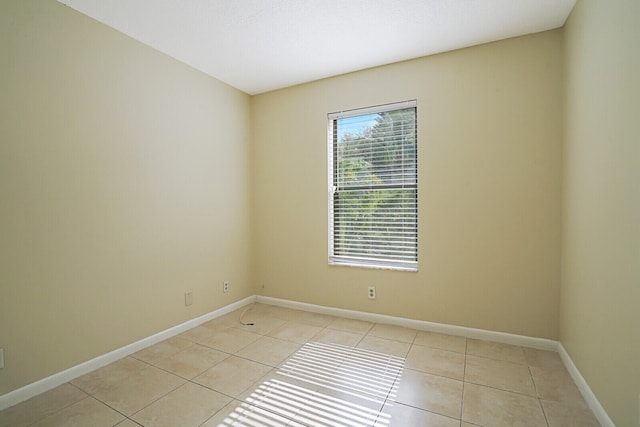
x: 584, y: 388
x: 520, y: 340
x: 65, y: 376
x: 45, y: 384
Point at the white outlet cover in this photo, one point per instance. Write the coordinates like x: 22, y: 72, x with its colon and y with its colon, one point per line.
x: 372, y: 292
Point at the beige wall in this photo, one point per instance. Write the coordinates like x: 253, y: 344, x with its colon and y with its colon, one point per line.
x: 124, y: 182
x: 490, y: 129
x: 600, y: 293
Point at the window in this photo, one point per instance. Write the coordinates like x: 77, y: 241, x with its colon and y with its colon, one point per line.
x: 373, y: 187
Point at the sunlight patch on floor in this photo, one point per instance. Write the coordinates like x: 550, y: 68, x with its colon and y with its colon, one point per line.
x: 323, y: 385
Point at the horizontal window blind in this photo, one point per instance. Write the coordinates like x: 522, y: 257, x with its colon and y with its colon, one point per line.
x: 373, y: 187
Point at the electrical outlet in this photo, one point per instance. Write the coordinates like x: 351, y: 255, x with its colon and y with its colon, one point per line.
x: 1, y: 358
x: 188, y: 298
x: 371, y: 292
x: 225, y: 286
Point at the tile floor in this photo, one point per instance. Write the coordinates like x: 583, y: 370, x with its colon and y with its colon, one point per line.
x: 295, y: 368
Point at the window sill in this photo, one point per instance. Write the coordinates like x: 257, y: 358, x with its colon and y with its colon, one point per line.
x: 374, y: 266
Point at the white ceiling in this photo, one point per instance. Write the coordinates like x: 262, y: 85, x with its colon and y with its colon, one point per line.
x: 262, y: 45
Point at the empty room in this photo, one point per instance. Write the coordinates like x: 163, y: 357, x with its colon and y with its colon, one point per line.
x: 320, y: 213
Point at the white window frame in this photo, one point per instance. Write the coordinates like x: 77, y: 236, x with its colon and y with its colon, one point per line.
x: 361, y: 260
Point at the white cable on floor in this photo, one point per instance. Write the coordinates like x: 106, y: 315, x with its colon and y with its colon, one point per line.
x: 242, y: 315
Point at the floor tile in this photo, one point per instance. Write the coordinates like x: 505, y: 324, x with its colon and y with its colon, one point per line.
x: 332, y: 408
x: 251, y: 320
x: 275, y: 311
x: 294, y: 331
x: 264, y: 309
x: 337, y: 337
x: 373, y: 403
x: 259, y: 324
x: 268, y: 351
x: 288, y: 387
x: 285, y: 313
x: 496, y: 373
x: 162, y: 349
x: 232, y: 376
x: 133, y: 393
x: 200, y: 333
x: 495, y: 350
x: 566, y: 415
x: 229, y: 320
x: 243, y: 414
x: 487, y: 406
x: 355, y: 378
x: 188, y: 405
x: 435, y: 361
x: 38, y: 407
x: 383, y: 345
x: 223, y: 322
x: 87, y: 412
x: 314, y: 362
x: 556, y: 385
x: 192, y: 361
x: 542, y: 358
x: 223, y: 418
x: 300, y: 369
x: 396, y: 414
x: 279, y: 394
x: 441, y: 341
x: 106, y: 376
x: 314, y: 319
x: 392, y: 332
x: 351, y: 325
x: 430, y: 392
x: 229, y: 340
x: 346, y: 369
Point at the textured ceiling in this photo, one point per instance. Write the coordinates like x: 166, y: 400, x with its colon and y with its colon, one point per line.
x: 262, y: 45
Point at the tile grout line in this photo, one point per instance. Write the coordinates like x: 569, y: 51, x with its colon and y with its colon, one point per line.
x: 155, y: 400
x: 464, y: 375
x: 535, y: 387
x: 502, y: 389
x: 126, y: 417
